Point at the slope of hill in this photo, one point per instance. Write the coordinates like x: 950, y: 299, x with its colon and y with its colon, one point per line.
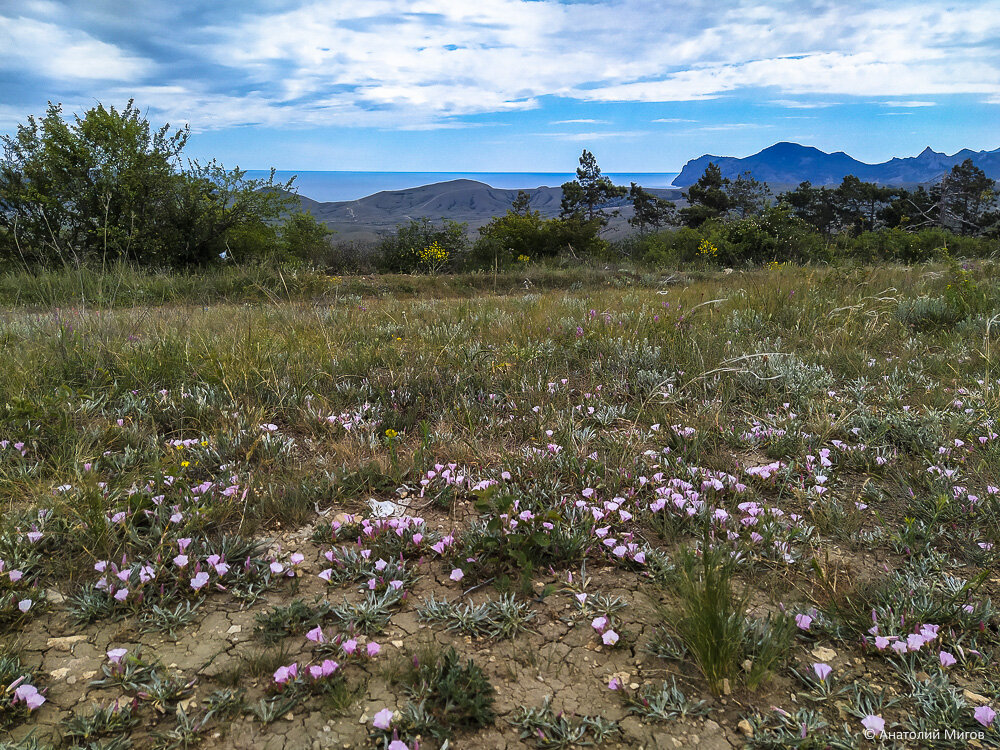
x: 459, y: 200
x: 791, y: 163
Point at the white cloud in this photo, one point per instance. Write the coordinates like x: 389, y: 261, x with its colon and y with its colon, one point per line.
x: 419, y: 64
x: 910, y: 103
x: 594, y: 136
x: 672, y: 119
x: 43, y: 48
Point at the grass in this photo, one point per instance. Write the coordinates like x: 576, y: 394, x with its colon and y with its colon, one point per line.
x: 742, y: 448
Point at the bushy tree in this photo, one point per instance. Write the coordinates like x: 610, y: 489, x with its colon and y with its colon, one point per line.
x: 968, y: 199
x: 747, y: 196
x: 106, y: 185
x: 706, y: 198
x: 400, y: 251
x: 650, y: 211
x: 588, y: 194
x: 814, y: 205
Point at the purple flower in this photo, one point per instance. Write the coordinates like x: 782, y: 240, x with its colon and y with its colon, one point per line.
x: 116, y: 655
x: 398, y: 745
x: 350, y: 646
x: 284, y: 674
x: 984, y: 715
x: 30, y: 695
x: 373, y: 649
x: 822, y: 671
x: 24, y: 605
x: 316, y: 635
x: 874, y: 724
x: 199, y: 580
x: 599, y: 624
x: 610, y: 638
x: 383, y: 719
x: 614, y: 684
x: 803, y: 621
x: 947, y: 659
x: 457, y: 574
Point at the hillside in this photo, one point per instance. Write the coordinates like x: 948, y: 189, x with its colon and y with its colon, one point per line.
x: 459, y: 200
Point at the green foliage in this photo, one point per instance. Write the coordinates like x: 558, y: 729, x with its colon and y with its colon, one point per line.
x: 587, y: 196
x: 707, y: 198
x: 105, y: 187
x: 445, y: 696
x: 400, y: 252
x: 650, y: 210
x: 711, y: 623
x: 304, y: 237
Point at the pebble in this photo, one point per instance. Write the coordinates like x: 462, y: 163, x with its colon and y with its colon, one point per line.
x: 745, y: 729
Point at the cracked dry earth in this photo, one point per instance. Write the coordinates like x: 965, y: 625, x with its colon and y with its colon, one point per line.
x: 559, y: 658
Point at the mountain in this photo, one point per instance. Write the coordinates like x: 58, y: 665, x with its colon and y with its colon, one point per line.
x: 791, y: 163
x: 459, y: 200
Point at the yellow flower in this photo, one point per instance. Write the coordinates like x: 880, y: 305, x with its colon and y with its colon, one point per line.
x: 707, y: 250
x: 390, y: 433
x: 185, y: 464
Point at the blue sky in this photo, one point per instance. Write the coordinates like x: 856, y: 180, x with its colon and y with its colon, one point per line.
x: 516, y: 85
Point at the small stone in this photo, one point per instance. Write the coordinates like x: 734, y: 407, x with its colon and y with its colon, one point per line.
x: 824, y: 654
x: 233, y: 629
x: 745, y: 729
x: 747, y: 665
x: 976, y: 698
x: 54, y: 597
x: 726, y: 688
x: 65, y: 643
x: 397, y: 644
x: 363, y: 719
x: 290, y: 716
x: 71, y: 680
x: 59, y: 674
x: 634, y: 686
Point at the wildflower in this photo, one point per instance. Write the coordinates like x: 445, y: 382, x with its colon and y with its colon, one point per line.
x: 398, y: 745
x: 24, y: 605
x: 116, y: 655
x: 199, y: 580
x: 947, y: 659
x: 277, y: 567
x: 803, y: 621
x: 30, y: 695
x: 316, y: 635
x: 599, y: 624
x: 121, y: 594
x: 181, y: 560
x: 874, y: 724
x: 822, y: 671
x: 984, y: 715
x: 614, y: 684
x: 350, y: 646
x: 610, y: 638
x: 383, y: 719
x: 373, y: 649
x: 284, y: 674
x: 457, y: 574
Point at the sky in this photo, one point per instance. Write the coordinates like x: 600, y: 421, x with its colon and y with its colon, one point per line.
x: 515, y: 85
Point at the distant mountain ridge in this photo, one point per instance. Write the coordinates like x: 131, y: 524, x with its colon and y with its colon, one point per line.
x: 791, y: 163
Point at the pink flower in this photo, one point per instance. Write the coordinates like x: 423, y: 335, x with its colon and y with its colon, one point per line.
x: 803, y: 621
x: 599, y: 624
x: 947, y: 659
x: 822, y: 671
x: 284, y: 674
x: 30, y: 695
x: 121, y: 595
x: 350, y: 646
x: 874, y: 724
x: 984, y: 715
x: 614, y: 684
x: 277, y: 567
x: 457, y: 574
x: 610, y: 638
x: 383, y: 719
x: 316, y: 635
x: 398, y: 745
x: 24, y: 605
x: 181, y: 560
x: 199, y: 580
x: 116, y: 655
x: 373, y: 649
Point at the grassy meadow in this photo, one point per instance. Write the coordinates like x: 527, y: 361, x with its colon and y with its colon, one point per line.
x: 546, y: 509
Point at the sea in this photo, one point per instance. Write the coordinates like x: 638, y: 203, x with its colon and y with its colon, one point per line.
x: 349, y: 186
